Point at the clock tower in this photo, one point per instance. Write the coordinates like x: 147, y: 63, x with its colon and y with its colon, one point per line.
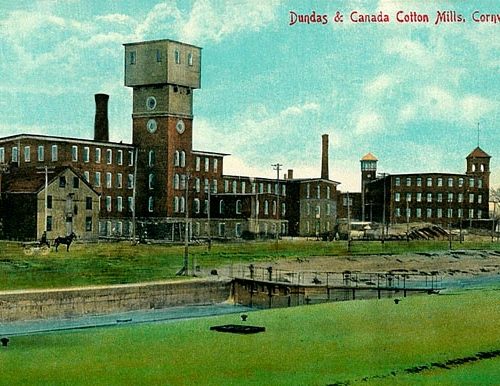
x: 163, y: 75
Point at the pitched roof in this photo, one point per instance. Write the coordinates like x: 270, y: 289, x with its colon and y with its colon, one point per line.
x: 369, y: 157
x: 478, y: 153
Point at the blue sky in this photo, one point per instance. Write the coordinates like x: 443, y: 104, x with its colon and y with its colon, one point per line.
x: 412, y: 94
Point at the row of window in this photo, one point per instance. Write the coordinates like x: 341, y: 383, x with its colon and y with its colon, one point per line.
x: 450, y: 197
x: 309, y: 228
x: 438, y: 213
x: 317, y: 192
x: 88, y: 224
x: 206, y: 165
x: 119, y: 203
x: 88, y: 203
x: 317, y: 210
x: 108, y: 182
x: 439, y: 181
x: 132, y: 56
x: 54, y: 154
x: 261, y: 187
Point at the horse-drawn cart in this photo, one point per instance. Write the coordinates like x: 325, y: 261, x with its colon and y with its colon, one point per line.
x: 36, y: 247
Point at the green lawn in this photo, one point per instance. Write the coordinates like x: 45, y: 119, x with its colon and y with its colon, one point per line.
x: 114, y: 263
x: 310, y: 345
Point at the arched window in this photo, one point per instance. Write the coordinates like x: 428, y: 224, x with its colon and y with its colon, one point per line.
x: 235, y: 186
x: 182, y: 205
x: 151, y: 181
x: 274, y: 208
x: 183, y: 159
x: 196, y: 204
x: 266, y: 207
x: 283, y: 209
x: 176, y: 204
x: 176, y: 181
x: 183, y: 181
x: 222, y: 207
x: 238, y: 206
x: 177, y: 56
x: 150, y: 204
x: 176, y: 158
x: 151, y: 158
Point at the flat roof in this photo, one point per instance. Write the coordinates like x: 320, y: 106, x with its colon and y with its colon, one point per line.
x: 160, y: 41
x: 65, y: 139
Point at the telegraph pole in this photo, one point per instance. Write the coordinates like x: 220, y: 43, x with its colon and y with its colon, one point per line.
x: 46, y: 172
x: 348, y: 224
x: 277, y: 167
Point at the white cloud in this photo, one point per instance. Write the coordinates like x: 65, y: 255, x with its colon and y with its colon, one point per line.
x: 368, y: 122
x: 378, y: 86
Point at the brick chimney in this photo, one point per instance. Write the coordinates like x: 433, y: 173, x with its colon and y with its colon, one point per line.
x: 324, y: 157
x: 290, y: 174
x: 101, y: 125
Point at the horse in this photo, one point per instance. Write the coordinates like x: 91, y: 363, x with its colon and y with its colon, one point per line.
x: 67, y: 240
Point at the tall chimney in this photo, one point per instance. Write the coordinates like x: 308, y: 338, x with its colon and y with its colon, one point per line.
x: 101, y: 125
x: 324, y: 157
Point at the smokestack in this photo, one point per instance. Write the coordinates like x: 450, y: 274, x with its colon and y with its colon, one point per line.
x: 101, y: 125
x: 324, y: 157
x: 290, y: 174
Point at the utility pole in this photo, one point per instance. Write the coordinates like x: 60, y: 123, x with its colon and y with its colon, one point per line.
x: 348, y: 224
x: 186, y: 226
x: 277, y: 167
x: 383, y: 175
x: 134, y: 195
x: 208, y: 219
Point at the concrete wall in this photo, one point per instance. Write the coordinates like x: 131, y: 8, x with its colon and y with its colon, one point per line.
x: 67, y: 303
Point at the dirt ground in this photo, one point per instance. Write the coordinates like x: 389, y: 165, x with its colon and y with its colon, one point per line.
x: 466, y: 263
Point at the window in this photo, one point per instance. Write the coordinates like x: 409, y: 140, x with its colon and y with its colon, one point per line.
x: 2, y: 155
x: 479, y: 183
x: 40, y: 153
x: 198, y: 164
x: 308, y: 191
x: 440, y: 197
x: 221, y: 207
x: 108, y: 203
x: 479, y: 213
x: 397, y: 181
x: 97, y: 180
x: 408, y: 181
x: 419, y: 197
x: 205, y: 207
x: 130, y: 203
x: 130, y: 158
x: 27, y: 154
x: 429, y: 212
x: 176, y: 204
x: 471, y: 198
x: 266, y: 207
x: 130, y: 181
x: 429, y: 181
x: 119, y: 181
x: 261, y: 187
x: 177, y: 57
x: 450, y: 213
x: 158, y: 56
x: 97, y: 155
x: 207, y: 164
x: 182, y: 205
x: 151, y: 181
x: 74, y: 153
x: 183, y: 182
x: 196, y: 205
x: 222, y: 229
x: 76, y: 182
x: 471, y: 213
x: 119, y: 157
x: 408, y: 213
x: 243, y: 186
x: 419, y: 181
x: 471, y: 182
x: 450, y: 197
x: 226, y: 186
x: 150, y: 204
x: 86, y: 176
x: 397, y: 212
x: 15, y: 154
x: 49, y: 223
x: 429, y: 197
x: 318, y: 192
x: 197, y: 184
x: 283, y: 208
x: 183, y: 159
x: 450, y: 182
x: 238, y: 206
x: 49, y: 202
x: 190, y: 59
x: 119, y: 203
x: 408, y: 197
x: 460, y: 197
x: 235, y: 186
x: 88, y: 203
x: 460, y: 213
x: 418, y: 213
x: 479, y: 199
x: 214, y: 186
x: 237, y: 230
x: 109, y: 183
x: 439, y: 181
x: 460, y: 182
x: 53, y: 153
x: 109, y: 156
x: 176, y: 158
x: 206, y: 185
x: 269, y: 189
x: 216, y: 162
x: 86, y: 154
x: 327, y: 192
x: 397, y: 196
x: 176, y: 181
x: 62, y: 181
x: 439, y: 213
x: 88, y: 224
x: 283, y: 190
x: 132, y: 57
x: 274, y: 208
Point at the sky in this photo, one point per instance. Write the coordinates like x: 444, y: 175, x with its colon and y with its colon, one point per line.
x: 413, y: 94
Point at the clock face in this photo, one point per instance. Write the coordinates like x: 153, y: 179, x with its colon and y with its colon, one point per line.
x: 152, y: 126
x: 180, y: 126
x: 151, y: 103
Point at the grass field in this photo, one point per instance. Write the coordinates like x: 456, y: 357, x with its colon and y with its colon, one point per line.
x: 117, y: 263
x: 359, y: 342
